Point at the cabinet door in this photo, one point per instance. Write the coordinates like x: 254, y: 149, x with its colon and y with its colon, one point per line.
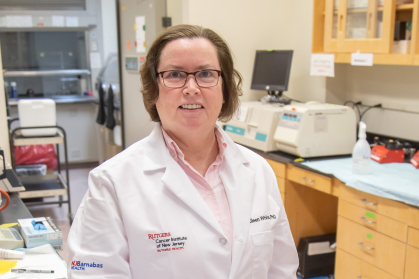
x: 359, y: 25
x: 331, y: 26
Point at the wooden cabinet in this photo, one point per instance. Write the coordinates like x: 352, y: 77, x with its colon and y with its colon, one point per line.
x: 390, y: 208
x: 412, y: 260
x: 280, y: 173
x: 347, y: 26
x: 374, y: 221
x: 313, y: 180
x: 350, y: 267
x: 377, y: 238
x: 372, y: 247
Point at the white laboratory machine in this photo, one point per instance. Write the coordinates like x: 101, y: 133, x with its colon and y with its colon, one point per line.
x: 254, y: 125
x: 314, y: 130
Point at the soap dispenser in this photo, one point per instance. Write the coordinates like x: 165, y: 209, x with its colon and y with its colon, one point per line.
x: 361, y: 154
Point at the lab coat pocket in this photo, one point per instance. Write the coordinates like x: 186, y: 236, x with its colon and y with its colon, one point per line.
x: 263, y: 244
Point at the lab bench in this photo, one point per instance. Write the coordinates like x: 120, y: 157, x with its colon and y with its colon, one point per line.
x: 377, y: 238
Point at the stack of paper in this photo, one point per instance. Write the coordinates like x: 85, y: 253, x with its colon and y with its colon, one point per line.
x: 39, y: 258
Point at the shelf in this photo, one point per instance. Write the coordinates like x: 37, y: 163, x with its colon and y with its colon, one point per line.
x: 404, y: 7
x: 45, y: 73
x: 38, y: 186
x: 47, y: 29
x: 20, y: 140
x: 379, y: 59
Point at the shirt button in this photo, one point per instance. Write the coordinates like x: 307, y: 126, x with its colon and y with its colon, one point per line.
x: 208, y: 192
x: 223, y: 241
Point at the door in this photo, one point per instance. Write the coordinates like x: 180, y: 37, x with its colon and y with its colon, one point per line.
x: 359, y: 25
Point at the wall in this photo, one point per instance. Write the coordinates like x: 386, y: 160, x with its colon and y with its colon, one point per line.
x: 109, y: 30
x: 4, y: 130
x: 175, y: 11
x: 248, y: 26
x: 395, y: 87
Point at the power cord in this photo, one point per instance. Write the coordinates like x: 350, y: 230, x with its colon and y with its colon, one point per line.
x: 370, y: 107
x: 355, y: 104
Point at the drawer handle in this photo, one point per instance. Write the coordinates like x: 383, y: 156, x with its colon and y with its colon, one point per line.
x: 369, y: 203
x: 308, y: 180
x: 365, y: 220
x: 365, y: 247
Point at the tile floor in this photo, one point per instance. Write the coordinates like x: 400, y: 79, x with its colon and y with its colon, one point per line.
x: 78, y: 187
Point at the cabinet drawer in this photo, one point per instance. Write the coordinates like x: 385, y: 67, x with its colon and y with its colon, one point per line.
x: 310, y: 179
x: 390, y: 208
x: 281, y: 184
x: 373, y: 247
x: 350, y: 267
x: 412, y: 260
x: 278, y: 168
x: 414, y: 217
x: 413, y: 237
x: 375, y: 221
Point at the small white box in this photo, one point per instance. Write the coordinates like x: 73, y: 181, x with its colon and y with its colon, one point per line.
x: 35, y: 238
x: 36, y: 113
x: 401, y: 47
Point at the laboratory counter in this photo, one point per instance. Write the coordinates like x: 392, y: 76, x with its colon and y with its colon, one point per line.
x: 285, y: 158
x: 65, y: 99
x: 15, y: 210
x: 377, y: 237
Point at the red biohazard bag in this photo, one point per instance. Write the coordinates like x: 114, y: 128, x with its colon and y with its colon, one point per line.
x: 36, y: 154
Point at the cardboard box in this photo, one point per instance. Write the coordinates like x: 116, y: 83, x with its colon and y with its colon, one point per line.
x: 35, y: 238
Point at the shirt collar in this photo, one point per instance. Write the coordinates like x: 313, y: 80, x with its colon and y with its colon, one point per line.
x: 177, y: 154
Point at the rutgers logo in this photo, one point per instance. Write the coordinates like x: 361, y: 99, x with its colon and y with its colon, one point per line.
x: 77, y: 265
x: 158, y: 235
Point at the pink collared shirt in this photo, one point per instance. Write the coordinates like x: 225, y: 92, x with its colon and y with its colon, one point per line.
x: 210, y: 186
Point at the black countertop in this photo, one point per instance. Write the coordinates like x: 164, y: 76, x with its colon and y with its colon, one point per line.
x: 285, y: 158
x: 15, y: 210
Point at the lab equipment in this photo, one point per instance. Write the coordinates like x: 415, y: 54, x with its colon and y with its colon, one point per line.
x: 254, y: 125
x: 13, y: 90
x: 34, y: 235
x: 37, y: 113
x: 316, y: 255
x: 10, y: 254
x: 391, y: 152
x: 361, y: 154
x: 415, y: 160
x: 271, y: 72
x: 9, y: 239
x: 313, y: 130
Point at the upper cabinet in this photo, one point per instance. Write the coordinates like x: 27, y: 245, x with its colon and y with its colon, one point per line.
x: 387, y: 28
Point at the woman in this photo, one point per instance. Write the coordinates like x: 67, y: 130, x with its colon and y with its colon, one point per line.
x: 185, y: 202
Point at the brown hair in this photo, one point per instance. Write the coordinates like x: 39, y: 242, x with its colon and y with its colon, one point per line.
x: 232, y: 80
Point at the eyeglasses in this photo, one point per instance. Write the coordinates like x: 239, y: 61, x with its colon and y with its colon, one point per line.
x: 178, y: 79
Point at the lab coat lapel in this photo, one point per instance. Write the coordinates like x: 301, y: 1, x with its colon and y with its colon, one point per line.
x: 239, y: 184
x: 180, y: 185
x: 175, y: 179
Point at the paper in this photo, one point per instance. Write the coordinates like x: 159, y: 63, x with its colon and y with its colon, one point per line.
x: 322, y: 65
x: 95, y: 61
x: 71, y: 21
x: 40, y: 258
x: 318, y: 248
x: 58, y: 21
x: 362, y: 59
x: 242, y: 113
x: 19, y: 21
x: 320, y: 124
x: 3, y: 21
x: 140, y: 33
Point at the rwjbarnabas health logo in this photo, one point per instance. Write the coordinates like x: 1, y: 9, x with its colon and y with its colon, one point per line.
x: 78, y: 265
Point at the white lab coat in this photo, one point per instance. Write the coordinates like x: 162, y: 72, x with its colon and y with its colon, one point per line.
x: 142, y: 198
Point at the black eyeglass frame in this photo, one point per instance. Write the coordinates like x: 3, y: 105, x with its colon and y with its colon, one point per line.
x: 190, y: 73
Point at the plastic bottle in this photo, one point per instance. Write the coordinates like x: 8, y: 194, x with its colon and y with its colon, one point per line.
x: 361, y: 155
x: 13, y: 90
